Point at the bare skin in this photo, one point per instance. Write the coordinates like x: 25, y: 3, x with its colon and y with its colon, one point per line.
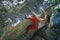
x: 39, y: 18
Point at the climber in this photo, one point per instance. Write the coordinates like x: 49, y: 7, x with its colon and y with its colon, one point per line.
x: 35, y: 20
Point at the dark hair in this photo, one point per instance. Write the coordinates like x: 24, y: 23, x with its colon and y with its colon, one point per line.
x: 48, y: 18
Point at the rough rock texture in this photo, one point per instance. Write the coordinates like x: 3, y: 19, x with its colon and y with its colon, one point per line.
x: 13, y: 33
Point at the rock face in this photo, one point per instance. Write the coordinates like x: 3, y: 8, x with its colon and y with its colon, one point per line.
x: 13, y: 33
